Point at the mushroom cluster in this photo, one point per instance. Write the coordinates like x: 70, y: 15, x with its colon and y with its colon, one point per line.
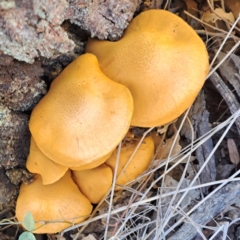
x: 147, y: 78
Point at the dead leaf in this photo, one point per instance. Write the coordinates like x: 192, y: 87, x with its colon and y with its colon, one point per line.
x: 225, y: 16
x: 163, y: 150
x: 191, y: 8
x: 89, y: 237
x: 233, y: 152
x: 56, y: 237
x: 82, y: 236
x: 156, y: 138
x: 234, y: 6
x: 171, y: 184
x: 218, y: 14
x: 162, y: 129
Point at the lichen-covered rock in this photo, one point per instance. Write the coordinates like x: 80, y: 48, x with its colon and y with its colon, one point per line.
x: 8, y: 191
x: 18, y: 175
x: 151, y: 4
x: 103, y: 19
x: 20, y: 85
x: 29, y: 29
x: 15, y: 138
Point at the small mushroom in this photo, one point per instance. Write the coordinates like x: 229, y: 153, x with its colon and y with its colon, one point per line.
x: 94, y: 183
x: 84, y: 115
x: 138, y: 164
x: 37, y: 162
x: 55, y: 206
x: 162, y: 61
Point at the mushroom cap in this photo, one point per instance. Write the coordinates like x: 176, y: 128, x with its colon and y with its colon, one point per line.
x: 94, y: 183
x: 139, y: 163
x: 162, y: 61
x: 93, y: 164
x: 84, y: 115
x: 37, y: 162
x: 61, y: 200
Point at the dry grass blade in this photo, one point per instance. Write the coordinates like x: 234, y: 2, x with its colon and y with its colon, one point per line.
x: 132, y: 219
x: 146, y: 201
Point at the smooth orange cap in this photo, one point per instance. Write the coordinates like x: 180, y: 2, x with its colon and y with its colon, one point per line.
x: 84, y: 115
x: 162, y: 61
x: 139, y: 163
x: 93, y: 164
x: 37, y: 162
x: 94, y: 183
x: 60, y: 201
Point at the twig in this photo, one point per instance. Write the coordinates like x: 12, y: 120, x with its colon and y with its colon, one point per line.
x: 226, y: 22
x: 202, y: 202
x: 204, y: 23
x: 228, y: 96
x: 213, y: 34
x: 226, y: 196
x: 112, y: 193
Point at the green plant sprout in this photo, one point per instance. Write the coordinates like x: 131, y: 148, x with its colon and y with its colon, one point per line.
x: 29, y: 225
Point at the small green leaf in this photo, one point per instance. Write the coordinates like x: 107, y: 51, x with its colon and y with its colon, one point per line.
x: 26, y: 236
x: 28, y: 222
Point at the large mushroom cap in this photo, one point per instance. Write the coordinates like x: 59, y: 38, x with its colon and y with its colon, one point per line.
x: 162, y: 61
x: 84, y: 115
x: 60, y: 201
x: 38, y: 163
x: 138, y: 164
x: 94, y: 183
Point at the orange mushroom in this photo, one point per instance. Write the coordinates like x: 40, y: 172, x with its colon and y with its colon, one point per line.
x: 137, y: 165
x: 162, y: 61
x: 93, y: 164
x: 37, y: 162
x: 55, y: 206
x: 83, y: 117
x: 94, y: 183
